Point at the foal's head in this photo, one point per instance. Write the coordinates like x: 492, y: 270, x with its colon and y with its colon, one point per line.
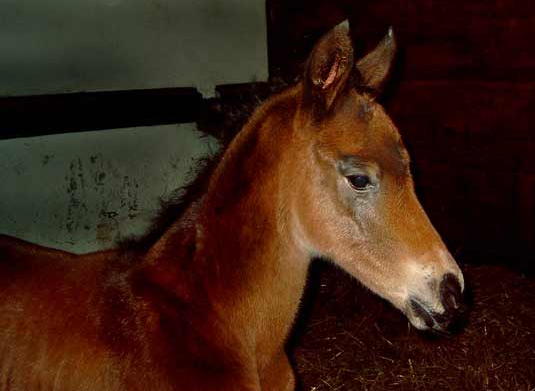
x: 357, y: 206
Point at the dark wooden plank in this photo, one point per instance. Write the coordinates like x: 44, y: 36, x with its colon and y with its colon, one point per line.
x: 28, y: 116
x: 479, y: 211
x: 475, y: 108
x: 492, y: 117
x: 438, y: 39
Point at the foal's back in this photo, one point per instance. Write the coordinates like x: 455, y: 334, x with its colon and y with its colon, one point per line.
x: 50, y: 319
x: 92, y: 322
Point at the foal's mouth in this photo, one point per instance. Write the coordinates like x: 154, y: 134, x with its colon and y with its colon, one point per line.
x: 444, y: 324
x: 453, y: 315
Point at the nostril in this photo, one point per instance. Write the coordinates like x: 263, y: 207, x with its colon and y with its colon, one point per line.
x: 450, y: 293
x: 449, y: 301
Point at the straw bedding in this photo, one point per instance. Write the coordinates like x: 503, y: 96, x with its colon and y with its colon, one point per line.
x: 349, y: 339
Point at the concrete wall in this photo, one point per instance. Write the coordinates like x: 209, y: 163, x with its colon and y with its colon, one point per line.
x: 83, y: 191
x: 56, y: 46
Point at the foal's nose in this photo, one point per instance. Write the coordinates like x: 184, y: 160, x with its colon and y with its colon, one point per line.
x: 453, y: 302
x: 450, y: 295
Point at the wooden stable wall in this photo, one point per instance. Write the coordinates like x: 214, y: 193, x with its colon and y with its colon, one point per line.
x: 463, y: 96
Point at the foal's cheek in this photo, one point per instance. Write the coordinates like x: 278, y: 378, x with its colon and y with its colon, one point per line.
x: 356, y: 205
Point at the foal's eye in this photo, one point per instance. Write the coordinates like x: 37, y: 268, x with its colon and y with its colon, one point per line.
x: 359, y: 182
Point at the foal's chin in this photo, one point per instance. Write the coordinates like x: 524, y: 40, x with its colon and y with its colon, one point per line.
x: 434, y: 326
x: 443, y: 312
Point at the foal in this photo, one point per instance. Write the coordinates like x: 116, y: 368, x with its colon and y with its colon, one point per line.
x: 319, y: 170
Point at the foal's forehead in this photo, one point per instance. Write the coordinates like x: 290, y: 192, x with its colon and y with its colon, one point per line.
x: 360, y: 122
x: 361, y: 128
x: 369, y: 116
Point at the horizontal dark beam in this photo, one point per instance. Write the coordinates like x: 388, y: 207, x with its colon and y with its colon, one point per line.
x: 28, y: 116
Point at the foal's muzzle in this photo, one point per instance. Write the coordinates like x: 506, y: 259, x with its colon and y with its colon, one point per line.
x: 453, y: 303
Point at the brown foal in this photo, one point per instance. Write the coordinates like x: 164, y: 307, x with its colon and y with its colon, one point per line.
x: 319, y: 170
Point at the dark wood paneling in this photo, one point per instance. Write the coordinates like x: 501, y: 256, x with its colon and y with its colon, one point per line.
x: 493, y: 119
x: 440, y: 39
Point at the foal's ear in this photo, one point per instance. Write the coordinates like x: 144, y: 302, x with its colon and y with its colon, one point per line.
x: 376, y: 65
x: 329, y: 67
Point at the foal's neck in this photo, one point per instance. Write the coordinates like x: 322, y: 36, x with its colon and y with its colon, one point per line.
x: 234, y: 243
x: 243, y: 219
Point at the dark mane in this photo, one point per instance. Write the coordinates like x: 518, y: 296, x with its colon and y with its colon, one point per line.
x: 174, y: 206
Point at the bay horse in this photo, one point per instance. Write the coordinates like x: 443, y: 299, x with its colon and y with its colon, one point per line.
x: 319, y: 170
